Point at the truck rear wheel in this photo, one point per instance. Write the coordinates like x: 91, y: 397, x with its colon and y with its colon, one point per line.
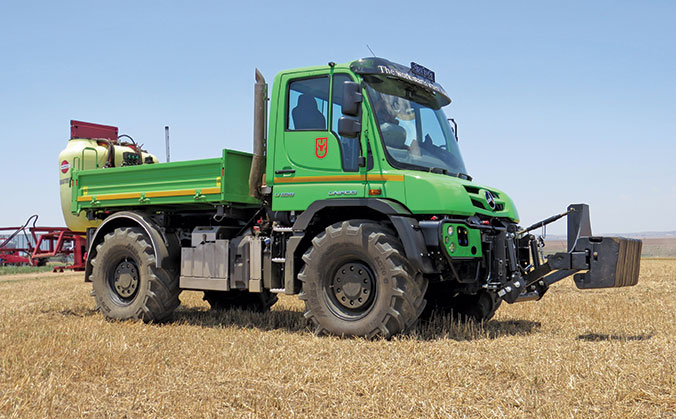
x: 479, y: 307
x: 127, y: 284
x: 357, y: 282
x: 239, y: 299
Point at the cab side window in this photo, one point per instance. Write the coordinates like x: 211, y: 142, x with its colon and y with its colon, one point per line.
x: 308, y: 106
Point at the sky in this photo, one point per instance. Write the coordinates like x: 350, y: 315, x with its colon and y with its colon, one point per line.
x: 557, y: 102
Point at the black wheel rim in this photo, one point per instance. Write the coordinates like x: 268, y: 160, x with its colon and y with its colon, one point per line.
x: 124, y: 281
x: 351, y: 290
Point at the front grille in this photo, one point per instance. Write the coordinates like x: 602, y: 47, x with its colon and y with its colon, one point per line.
x: 478, y: 202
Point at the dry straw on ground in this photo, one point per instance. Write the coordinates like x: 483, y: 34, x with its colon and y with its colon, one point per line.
x: 584, y: 354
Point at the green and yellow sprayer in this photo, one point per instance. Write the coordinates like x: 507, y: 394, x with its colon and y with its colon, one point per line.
x: 356, y: 198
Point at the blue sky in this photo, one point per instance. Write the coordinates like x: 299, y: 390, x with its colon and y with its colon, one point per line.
x: 557, y: 102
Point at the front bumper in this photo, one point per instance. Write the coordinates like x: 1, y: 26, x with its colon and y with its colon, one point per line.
x: 509, y: 261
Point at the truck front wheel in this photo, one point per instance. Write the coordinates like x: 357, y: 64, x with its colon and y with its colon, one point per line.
x: 127, y: 283
x: 357, y: 282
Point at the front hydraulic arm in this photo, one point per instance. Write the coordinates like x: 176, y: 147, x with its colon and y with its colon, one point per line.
x: 596, y: 262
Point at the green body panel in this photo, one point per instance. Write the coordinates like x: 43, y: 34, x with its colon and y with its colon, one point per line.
x: 319, y: 179
x: 461, y: 241
x: 198, y: 182
x: 314, y: 178
x: 431, y: 193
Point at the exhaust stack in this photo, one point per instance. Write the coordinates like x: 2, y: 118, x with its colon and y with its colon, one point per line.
x: 166, y: 142
x: 260, y: 117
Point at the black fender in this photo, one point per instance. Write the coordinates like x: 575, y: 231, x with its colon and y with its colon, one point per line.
x: 406, y: 226
x: 382, y: 206
x: 166, y: 247
x: 412, y: 238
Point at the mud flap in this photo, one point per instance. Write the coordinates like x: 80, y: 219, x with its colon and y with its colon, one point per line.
x: 613, y: 262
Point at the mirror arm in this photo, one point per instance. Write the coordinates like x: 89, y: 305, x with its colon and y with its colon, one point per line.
x: 455, y: 129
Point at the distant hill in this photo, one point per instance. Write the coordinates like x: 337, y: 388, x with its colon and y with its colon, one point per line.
x: 642, y: 235
x: 648, y: 235
x: 659, y: 246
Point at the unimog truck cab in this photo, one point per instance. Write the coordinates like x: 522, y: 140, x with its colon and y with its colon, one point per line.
x: 356, y: 198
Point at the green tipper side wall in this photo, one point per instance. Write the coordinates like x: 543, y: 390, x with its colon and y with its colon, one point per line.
x: 198, y: 182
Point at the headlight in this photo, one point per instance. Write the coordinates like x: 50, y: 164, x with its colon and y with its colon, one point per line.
x: 450, y: 230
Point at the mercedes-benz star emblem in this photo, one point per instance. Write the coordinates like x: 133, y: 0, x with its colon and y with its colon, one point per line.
x: 490, y: 199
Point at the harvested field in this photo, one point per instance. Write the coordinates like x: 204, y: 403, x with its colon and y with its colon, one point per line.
x: 586, y: 354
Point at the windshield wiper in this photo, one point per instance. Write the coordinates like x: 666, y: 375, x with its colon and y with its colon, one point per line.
x: 443, y: 171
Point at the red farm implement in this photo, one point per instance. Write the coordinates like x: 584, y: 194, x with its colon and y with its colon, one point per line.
x: 33, y: 245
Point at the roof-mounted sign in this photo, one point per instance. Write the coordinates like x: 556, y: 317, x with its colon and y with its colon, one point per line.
x: 423, y: 72
x: 420, y: 76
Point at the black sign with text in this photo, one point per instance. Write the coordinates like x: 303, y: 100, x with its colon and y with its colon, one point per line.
x: 421, y: 71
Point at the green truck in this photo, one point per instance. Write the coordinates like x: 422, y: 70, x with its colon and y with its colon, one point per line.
x: 356, y: 198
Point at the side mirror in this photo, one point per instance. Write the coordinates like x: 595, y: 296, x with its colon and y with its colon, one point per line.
x: 349, y: 127
x: 352, y: 98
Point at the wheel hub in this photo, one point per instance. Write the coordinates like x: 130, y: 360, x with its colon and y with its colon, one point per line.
x: 353, y: 285
x: 125, y: 279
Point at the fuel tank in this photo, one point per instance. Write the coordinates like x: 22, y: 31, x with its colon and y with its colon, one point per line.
x: 93, y: 146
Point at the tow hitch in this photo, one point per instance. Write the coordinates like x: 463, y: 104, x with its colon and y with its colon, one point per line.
x: 594, y: 261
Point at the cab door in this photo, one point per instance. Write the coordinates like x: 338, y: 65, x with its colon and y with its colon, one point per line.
x: 312, y: 162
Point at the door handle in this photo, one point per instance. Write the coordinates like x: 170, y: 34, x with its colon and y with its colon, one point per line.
x: 285, y: 171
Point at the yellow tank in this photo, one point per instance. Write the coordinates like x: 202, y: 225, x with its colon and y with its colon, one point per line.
x: 86, y: 154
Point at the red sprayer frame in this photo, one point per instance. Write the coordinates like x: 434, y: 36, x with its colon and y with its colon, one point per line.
x: 80, y: 129
x: 43, y: 243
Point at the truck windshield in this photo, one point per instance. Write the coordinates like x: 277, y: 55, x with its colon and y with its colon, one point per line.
x: 415, y: 132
